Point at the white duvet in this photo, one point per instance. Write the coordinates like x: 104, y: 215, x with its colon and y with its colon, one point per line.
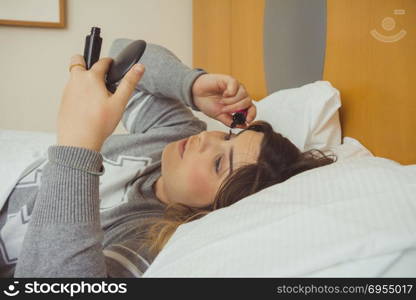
x: 354, y: 218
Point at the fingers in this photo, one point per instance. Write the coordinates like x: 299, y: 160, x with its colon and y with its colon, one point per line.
x: 238, y: 95
x: 226, y: 119
x: 231, y: 87
x: 102, y: 66
x: 77, y: 63
x: 251, y: 113
x: 128, y: 84
x: 239, y: 100
x: 242, y: 104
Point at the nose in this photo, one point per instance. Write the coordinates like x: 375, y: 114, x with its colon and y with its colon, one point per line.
x: 207, y: 140
x: 204, y: 140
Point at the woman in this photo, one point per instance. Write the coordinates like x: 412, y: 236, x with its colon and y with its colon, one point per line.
x: 108, y: 203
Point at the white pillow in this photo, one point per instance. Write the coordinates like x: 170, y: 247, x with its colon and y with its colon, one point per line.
x: 353, y: 218
x: 350, y: 148
x: 307, y: 116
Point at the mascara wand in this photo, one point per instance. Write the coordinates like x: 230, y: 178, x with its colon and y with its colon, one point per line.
x: 239, y: 118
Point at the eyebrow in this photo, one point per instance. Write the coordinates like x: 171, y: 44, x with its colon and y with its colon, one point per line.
x: 231, y: 160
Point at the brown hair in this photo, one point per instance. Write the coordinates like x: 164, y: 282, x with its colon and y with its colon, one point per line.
x: 279, y: 159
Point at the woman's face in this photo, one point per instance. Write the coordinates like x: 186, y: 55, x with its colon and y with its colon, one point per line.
x: 194, y: 168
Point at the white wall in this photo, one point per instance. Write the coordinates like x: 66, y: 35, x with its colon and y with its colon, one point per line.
x: 34, y: 61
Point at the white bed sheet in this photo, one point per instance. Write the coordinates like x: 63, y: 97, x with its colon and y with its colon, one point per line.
x: 354, y: 218
x: 20, y: 152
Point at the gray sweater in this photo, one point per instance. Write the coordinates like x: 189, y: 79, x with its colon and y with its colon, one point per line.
x: 82, y: 213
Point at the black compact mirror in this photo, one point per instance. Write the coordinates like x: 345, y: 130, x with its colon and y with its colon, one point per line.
x: 123, y: 62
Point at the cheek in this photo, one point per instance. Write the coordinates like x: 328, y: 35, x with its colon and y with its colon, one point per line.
x: 169, y: 158
x: 199, y: 182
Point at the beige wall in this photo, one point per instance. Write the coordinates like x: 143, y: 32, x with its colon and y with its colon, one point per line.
x: 34, y: 61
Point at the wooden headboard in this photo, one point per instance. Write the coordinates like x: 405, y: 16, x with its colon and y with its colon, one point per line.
x: 370, y: 56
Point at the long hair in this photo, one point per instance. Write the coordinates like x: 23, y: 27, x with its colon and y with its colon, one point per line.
x: 279, y: 159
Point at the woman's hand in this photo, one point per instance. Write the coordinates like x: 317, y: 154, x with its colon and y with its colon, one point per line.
x: 218, y: 96
x: 89, y: 113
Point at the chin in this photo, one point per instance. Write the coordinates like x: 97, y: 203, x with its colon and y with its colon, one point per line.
x: 167, y: 156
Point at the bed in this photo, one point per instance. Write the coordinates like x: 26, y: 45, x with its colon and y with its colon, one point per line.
x: 335, y: 75
x: 339, y: 88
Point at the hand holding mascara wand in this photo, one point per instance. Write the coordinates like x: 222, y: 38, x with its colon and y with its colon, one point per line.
x: 120, y: 65
x: 88, y: 112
